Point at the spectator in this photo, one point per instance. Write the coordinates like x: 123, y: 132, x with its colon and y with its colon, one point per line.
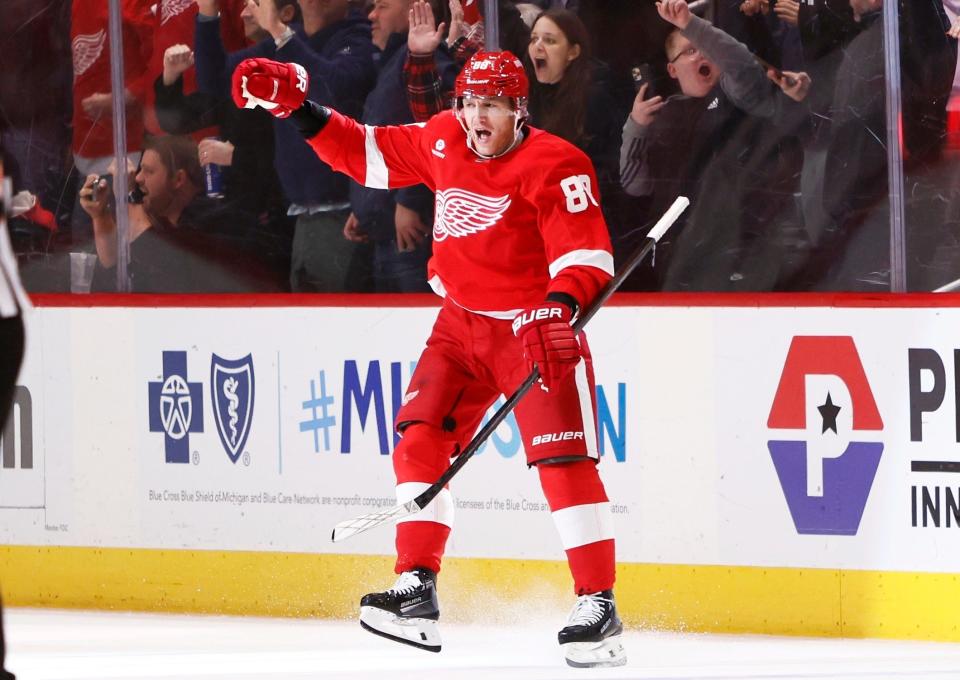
x: 35, y: 83
x: 467, y: 37
x: 181, y: 241
x: 30, y: 224
x: 424, y: 83
x: 570, y: 96
x: 718, y: 143
x: 853, y: 253
x: 395, y: 221
x: 92, y: 97
x: 928, y: 58
x: 245, y: 148
x: 826, y: 27
x: 627, y: 33
x: 334, y: 46
x: 760, y: 26
x: 173, y: 24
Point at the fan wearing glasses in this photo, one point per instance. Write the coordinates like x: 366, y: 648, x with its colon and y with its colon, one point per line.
x: 711, y: 66
x: 710, y: 142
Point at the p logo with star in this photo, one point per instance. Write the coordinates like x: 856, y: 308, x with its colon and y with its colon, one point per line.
x: 825, y: 435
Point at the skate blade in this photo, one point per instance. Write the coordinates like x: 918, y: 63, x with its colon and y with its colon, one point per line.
x: 419, y: 633
x: 603, y: 654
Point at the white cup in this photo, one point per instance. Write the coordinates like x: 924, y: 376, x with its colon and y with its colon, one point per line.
x: 81, y: 271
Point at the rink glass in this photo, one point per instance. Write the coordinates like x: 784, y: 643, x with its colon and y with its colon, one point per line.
x: 823, y: 201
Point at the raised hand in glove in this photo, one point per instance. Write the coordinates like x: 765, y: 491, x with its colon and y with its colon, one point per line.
x: 548, y: 341
x: 278, y: 87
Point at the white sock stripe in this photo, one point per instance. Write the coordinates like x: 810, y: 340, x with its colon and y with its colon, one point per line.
x: 584, y: 524
x: 586, y: 410
x: 378, y: 176
x: 439, y: 510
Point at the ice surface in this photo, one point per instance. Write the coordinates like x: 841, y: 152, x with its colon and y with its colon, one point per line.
x: 70, y: 645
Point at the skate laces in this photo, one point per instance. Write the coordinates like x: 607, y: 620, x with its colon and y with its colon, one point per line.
x: 587, y: 610
x: 407, y: 583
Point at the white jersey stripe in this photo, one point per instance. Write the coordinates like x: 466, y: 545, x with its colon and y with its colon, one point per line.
x: 584, y: 524
x: 437, y: 285
x: 600, y: 259
x: 508, y: 315
x: 378, y: 176
x: 586, y: 410
x: 439, y: 510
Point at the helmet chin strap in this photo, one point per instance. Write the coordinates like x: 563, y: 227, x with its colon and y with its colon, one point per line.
x: 519, y: 118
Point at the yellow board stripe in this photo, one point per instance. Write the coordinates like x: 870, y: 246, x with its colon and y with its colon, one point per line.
x: 778, y: 601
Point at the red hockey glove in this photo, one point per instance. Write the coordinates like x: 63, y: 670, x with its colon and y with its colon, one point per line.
x: 278, y: 87
x: 548, y: 341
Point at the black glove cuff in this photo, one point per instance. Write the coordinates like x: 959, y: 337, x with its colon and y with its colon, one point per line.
x: 310, y: 118
x: 565, y: 299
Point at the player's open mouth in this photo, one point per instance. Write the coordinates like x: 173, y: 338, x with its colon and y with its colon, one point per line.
x: 481, y: 134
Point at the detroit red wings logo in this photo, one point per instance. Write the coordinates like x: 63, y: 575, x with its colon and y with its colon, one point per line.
x: 172, y: 8
x: 86, y: 50
x: 462, y: 213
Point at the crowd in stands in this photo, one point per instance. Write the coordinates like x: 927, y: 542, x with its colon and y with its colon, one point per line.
x: 771, y: 115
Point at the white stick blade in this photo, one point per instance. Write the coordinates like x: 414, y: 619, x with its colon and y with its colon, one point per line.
x: 357, y: 525
x: 669, y: 217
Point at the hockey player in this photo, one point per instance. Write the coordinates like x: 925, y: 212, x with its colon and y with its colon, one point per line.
x: 520, y: 246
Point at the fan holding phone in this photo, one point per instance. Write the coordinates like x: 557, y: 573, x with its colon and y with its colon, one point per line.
x: 713, y: 140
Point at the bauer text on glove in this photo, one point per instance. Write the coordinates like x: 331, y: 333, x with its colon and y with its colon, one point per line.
x: 548, y: 341
x: 279, y: 87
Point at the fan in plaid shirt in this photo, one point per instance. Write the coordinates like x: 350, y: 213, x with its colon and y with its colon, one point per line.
x: 424, y: 90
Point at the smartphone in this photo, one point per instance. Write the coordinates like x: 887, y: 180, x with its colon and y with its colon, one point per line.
x: 135, y: 194
x: 768, y: 67
x: 644, y: 74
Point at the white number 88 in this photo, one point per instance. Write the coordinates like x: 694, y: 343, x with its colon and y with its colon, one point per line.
x: 577, y: 190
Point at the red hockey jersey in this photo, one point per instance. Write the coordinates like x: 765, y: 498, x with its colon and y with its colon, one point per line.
x: 507, y: 230
x: 175, y: 24
x: 91, y: 71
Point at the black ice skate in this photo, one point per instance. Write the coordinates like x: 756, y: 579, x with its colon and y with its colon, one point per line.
x: 407, y: 613
x: 591, y: 637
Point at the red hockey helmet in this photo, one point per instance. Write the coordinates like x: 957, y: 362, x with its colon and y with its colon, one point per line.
x: 493, y: 74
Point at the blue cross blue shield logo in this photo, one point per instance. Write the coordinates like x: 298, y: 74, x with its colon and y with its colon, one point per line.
x: 232, y: 386
x: 176, y: 407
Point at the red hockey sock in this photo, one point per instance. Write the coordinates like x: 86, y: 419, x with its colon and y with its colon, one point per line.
x: 421, y: 456
x: 420, y: 544
x: 581, y: 513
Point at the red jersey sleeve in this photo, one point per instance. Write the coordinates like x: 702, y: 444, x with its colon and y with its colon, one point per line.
x: 138, y: 35
x: 387, y: 157
x: 575, y: 236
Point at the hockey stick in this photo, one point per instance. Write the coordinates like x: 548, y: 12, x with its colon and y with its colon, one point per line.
x: 354, y: 526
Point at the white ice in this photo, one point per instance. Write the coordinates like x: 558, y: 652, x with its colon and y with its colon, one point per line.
x: 70, y: 645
